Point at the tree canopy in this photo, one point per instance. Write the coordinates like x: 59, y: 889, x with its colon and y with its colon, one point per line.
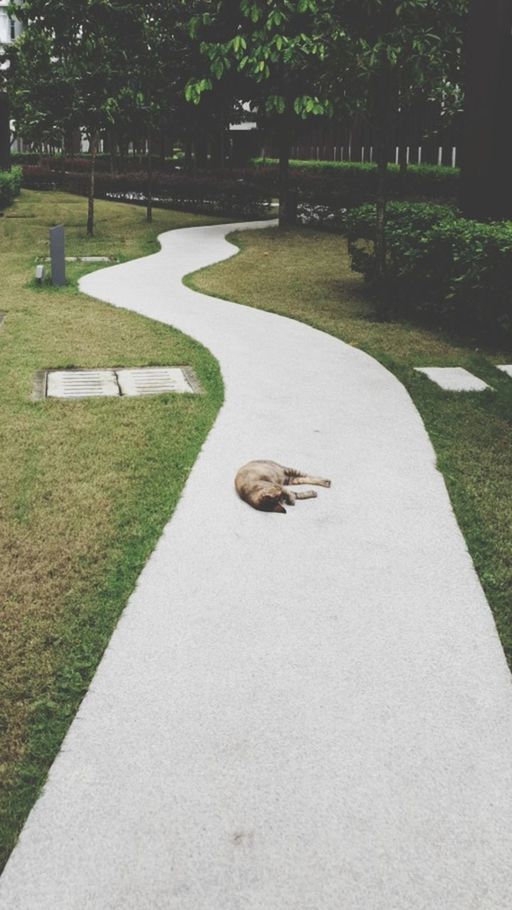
x: 128, y: 67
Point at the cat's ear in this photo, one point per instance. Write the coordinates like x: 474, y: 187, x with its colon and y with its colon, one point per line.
x: 279, y: 508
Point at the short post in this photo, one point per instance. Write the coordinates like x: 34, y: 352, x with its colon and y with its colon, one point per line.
x: 57, y: 255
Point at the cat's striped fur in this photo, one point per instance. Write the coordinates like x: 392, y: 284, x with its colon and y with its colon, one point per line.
x: 263, y: 485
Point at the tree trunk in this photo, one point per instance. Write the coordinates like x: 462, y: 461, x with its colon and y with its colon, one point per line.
x: 402, y: 163
x: 201, y: 153
x: 287, y: 197
x: 486, y: 183
x: 90, y: 208
x: 149, y: 206
x: 123, y: 153
x: 380, y: 211
x: 163, y: 143
x: 188, y: 156
x: 68, y: 143
x: 222, y: 148
x: 112, y: 151
x: 5, y: 134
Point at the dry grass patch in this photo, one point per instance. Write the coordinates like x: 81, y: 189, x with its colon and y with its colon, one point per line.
x: 85, y: 486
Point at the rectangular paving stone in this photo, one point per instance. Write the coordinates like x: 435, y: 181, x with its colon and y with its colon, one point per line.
x: 454, y: 379
x: 95, y: 259
x: 506, y: 368
x: 82, y: 384
x: 84, y: 259
x: 153, y: 381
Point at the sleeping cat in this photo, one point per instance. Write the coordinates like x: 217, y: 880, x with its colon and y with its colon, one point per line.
x: 262, y: 484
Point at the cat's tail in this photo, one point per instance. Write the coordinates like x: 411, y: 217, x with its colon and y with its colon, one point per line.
x: 292, y: 472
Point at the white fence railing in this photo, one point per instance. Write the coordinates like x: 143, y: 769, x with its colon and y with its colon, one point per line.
x: 418, y: 154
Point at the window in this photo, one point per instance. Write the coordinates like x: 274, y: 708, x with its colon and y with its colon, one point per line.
x: 13, y: 29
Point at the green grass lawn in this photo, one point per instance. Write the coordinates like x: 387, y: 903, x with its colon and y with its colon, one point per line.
x: 306, y: 275
x: 86, y: 486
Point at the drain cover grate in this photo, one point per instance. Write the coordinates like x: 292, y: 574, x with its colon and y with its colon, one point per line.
x: 82, y: 384
x: 153, y: 380
x: 115, y: 383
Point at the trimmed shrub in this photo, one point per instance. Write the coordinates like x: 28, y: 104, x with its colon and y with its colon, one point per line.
x: 419, y: 179
x: 441, y: 268
x: 10, y: 185
x: 208, y: 194
x: 76, y: 165
x: 37, y: 177
x: 82, y: 163
x: 327, y: 189
x: 405, y: 221
x: 23, y: 158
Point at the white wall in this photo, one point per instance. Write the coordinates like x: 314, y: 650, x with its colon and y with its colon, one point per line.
x: 5, y: 24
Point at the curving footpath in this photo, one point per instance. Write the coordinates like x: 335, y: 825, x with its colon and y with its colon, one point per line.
x: 300, y: 712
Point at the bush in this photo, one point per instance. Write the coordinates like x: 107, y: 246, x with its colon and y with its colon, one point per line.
x: 23, y: 158
x: 419, y: 179
x: 77, y: 165
x: 405, y: 221
x: 82, y: 163
x: 327, y: 189
x: 204, y: 194
x: 37, y: 177
x: 10, y: 185
x: 441, y: 268
x: 208, y: 194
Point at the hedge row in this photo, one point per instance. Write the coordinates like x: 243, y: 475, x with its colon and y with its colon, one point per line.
x: 441, y: 268
x: 23, y: 158
x: 325, y: 190
x: 81, y: 163
x: 10, y: 185
x: 204, y: 194
x: 60, y: 163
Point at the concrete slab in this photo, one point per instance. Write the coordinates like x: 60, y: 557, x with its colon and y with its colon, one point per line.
x: 454, y: 379
x: 506, y: 368
x: 81, y: 384
x: 95, y: 259
x: 299, y: 712
x: 84, y: 259
x: 152, y: 381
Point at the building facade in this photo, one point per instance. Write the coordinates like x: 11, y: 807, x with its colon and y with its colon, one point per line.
x: 9, y: 28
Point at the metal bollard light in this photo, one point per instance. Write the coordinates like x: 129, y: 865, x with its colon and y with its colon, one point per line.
x: 57, y: 255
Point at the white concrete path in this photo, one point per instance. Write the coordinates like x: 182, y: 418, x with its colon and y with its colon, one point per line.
x: 300, y: 712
